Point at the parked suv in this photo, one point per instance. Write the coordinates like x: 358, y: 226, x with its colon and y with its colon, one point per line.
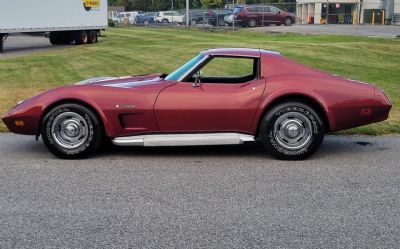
x: 251, y: 15
x: 168, y: 17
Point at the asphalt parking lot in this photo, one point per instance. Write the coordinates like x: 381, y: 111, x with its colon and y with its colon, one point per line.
x: 21, y: 45
x: 346, y: 196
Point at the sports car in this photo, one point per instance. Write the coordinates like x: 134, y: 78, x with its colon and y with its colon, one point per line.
x: 221, y: 96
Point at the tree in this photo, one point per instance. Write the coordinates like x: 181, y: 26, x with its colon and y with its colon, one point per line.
x: 212, y: 3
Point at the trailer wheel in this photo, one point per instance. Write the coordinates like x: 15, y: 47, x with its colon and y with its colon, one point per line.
x: 55, y: 38
x: 92, y: 37
x: 81, y: 37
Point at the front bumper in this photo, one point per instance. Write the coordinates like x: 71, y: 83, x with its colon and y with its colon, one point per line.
x: 24, y: 124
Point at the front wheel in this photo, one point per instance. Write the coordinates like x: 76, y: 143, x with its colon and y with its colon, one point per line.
x: 288, y: 21
x: 292, y: 131
x: 71, y: 131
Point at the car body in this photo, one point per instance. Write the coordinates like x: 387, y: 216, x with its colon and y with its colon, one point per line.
x: 257, y: 15
x: 168, y: 17
x: 195, y: 17
x: 222, y: 96
x: 146, y: 18
x: 216, y: 17
x: 123, y: 16
x: 228, y: 19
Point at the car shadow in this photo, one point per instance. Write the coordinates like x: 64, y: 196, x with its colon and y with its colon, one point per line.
x: 333, y: 146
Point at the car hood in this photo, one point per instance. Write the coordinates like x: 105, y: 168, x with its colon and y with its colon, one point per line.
x: 123, y: 82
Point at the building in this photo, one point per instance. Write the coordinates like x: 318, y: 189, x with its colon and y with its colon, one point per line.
x: 348, y: 11
x: 114, y: 10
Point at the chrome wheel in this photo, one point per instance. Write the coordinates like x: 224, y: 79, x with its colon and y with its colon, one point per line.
x: 293, y: 130
x: 69, y: 130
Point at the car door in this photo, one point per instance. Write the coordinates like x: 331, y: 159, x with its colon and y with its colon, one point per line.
x: 226, y: 101
x: 275, y: 14
x: 268, y: 15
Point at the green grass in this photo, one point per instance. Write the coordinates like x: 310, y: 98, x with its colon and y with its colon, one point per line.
x: 130, y: 51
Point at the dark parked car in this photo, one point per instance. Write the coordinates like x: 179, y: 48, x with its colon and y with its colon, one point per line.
x: 196, y: 16
x: 252, y: 16
x: 216, y: 17
x: 145, y: 18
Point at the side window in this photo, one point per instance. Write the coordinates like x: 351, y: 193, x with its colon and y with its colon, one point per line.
x: 266, y: 9
x: 229, y: 70
x: 128, y: 15
x: 273, y: 9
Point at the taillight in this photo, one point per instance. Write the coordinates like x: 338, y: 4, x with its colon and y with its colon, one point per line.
x: 241, y: 13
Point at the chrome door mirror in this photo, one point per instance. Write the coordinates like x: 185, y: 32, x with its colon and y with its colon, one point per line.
x: 197, y: 78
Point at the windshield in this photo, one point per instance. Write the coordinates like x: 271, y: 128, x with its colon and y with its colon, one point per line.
x: 181, y: 72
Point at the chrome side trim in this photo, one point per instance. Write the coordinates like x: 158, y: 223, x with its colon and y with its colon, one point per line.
x: 183, y: 139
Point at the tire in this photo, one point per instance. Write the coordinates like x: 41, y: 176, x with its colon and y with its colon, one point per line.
x: 165, y: 20
x: 221, y: 22
x: 81, y: 37
x: 252, y: 23
x: 193, y: 22
x: 71, y: 131
x: 55, y: 38
x: 292, y: 131
x: 92, y: 37
x: 288, y: 21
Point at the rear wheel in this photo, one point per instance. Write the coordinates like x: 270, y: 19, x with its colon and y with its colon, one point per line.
x: 221, y: 22
x: 165, y: 20
x: 92, y: 37
x: 193, y: 22
x: 292, y: 131
x: 71, y: 131
x: 81, y: 37
x: 252, y: 23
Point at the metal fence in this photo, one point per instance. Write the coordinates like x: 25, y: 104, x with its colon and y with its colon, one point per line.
x: 265, y: 14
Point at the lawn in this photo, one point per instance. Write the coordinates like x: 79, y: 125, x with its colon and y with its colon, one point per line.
x: 130, y: 51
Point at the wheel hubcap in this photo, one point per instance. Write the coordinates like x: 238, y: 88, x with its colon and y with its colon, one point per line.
x: 69, y: 130
x: 293, y: 130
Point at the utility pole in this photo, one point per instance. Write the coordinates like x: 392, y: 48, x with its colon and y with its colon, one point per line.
x: 187, y: 12
x: 233, y: 15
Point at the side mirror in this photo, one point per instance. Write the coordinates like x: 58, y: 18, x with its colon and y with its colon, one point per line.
x: 197, y: 78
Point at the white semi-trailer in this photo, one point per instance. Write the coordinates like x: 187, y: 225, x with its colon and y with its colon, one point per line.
x: 64, y: 21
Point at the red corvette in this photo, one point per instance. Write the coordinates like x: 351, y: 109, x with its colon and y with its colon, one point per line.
x: 222, y: 96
